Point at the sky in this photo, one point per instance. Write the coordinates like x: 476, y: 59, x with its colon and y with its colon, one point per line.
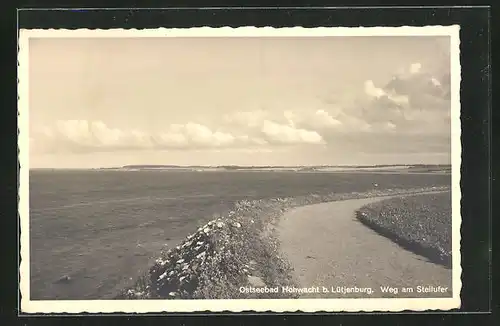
x: 104, y: 102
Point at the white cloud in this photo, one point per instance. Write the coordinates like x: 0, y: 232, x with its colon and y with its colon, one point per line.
x: 198, y: 134
x: 314, y: 119
x: 82, y: 135
x: 285, y: 134
x: 309, y: 119
x: 435, y: 82
x: 408, y: 103
x: 251, y: 140
x: 389, y: 126
x: 372, y: 90
x: 399, y: 99
x: 89, y: 136
x: 412, y: 102
x: 324, y: 118
x: 282, y: 127
x: 173, y: 139
x: 415, y: 68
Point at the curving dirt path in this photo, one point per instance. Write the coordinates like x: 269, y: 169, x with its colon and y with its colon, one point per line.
x: 327, y: 246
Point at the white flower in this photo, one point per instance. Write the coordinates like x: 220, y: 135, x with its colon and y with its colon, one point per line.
x: 161, y: 261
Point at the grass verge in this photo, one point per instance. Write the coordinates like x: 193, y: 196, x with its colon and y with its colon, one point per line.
x: 419, y: 223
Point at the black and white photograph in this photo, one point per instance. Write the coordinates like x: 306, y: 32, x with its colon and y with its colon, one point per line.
x: 239, y: 169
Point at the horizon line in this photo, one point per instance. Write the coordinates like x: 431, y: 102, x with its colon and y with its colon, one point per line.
x: 237, y: 166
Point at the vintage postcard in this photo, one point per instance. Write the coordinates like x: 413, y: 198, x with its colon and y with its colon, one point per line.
x: 239, y: 169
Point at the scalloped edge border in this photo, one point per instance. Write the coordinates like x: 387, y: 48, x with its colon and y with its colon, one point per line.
x: 244, y: 31
x: 241, y: 305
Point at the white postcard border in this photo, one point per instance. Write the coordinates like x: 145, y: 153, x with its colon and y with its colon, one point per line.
x: 236, y: 305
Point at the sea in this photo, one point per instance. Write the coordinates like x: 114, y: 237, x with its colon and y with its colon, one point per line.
x: 94, y: 232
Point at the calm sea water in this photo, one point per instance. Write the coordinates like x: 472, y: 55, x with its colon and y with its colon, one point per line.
x: 104, y: 228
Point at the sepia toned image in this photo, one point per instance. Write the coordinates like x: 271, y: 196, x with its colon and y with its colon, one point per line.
x: 242, y: 169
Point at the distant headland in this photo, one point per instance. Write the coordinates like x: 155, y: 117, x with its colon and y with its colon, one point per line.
x: 388, y: 168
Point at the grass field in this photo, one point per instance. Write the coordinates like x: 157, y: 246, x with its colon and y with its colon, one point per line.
x: 420, y: 223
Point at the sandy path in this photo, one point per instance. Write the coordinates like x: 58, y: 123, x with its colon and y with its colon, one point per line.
x: 327, y: 246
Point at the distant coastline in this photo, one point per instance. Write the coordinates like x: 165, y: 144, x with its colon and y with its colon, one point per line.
x: 318, y: 168
x: 383, y: 168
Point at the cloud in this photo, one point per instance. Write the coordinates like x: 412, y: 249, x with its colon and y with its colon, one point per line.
x: 415, y: 102
x: 389, y: 126
x: 85, y: 136
x: 415, y: 68
x: 409, y: 103
x: 96, y: 136
x: 372, y: 90
x: 435, y: 82
x: 283, y: 127
x: 381, y: 94
x: 200, y: 135
x: 311, y: 119
x: 285, y: 134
